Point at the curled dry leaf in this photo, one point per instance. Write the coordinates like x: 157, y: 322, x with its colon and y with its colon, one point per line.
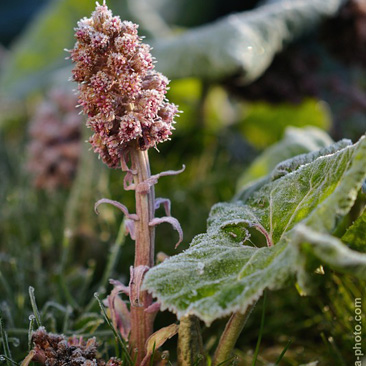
x: 172, y: 221
x: 117, y: 204
x: 157, y: 339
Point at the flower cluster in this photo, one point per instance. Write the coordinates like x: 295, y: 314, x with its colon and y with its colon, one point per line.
x: 54, y: 147
x: 119, y: 90
x: 55, y: 350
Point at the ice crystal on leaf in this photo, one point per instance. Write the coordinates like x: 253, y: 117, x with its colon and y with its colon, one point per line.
x: 119, y: 90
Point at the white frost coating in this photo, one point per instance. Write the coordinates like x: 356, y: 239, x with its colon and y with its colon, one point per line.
x: 235, y: 276
x: 295, y: 163
x: 200, y: 268
x: 212, y: 310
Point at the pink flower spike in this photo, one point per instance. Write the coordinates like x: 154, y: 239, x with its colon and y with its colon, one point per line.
x: 119, y: 85
x: 136, y: 277
x: 163, y: 201
x: 172, y: 221
x: 119, y: 205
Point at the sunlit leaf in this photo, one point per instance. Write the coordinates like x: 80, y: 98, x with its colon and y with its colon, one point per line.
x: 242, y: 43
x: 296, y: 207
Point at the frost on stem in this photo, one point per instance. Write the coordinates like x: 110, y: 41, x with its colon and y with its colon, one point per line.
x: 119, y: 90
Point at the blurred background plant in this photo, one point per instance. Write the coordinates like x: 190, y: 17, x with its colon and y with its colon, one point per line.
x: 243, y: 73
x: 55, y: 141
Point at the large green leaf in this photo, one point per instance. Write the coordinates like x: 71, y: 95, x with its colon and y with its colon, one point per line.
x: 294, y: 208
x: 240, y: 43
x: 245, y: 42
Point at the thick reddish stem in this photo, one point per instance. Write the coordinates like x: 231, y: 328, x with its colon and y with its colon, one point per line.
x: 141, y: 321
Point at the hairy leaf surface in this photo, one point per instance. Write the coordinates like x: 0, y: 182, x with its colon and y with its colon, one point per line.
x: 259, y: 242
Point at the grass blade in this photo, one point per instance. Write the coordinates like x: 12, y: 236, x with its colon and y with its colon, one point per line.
x: 198, y: 360
x: 260, y: 331
x: 152, y: 355
x: 32, y: 318
x: 226, y: 361
x: 114, y: 255
x: 112, y: 261
x: 8, y: 360
x: 6, y: 348
x: 116, y: 334
x: 283, y: 352
x: 34, y: 306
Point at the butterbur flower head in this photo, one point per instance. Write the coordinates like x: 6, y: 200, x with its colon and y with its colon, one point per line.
x: 55, y: 141
x: 119, y: 90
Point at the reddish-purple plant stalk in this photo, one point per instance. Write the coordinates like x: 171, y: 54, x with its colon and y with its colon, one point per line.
x: 124, y: 98
x: 142, y: 321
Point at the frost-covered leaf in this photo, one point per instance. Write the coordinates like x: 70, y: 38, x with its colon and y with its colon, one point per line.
x: 288, y: 165
x: 355, y: 236
x: 296, y: 141
x: 329, y: 250
x: 240, y: 43
x: 231, y: 265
